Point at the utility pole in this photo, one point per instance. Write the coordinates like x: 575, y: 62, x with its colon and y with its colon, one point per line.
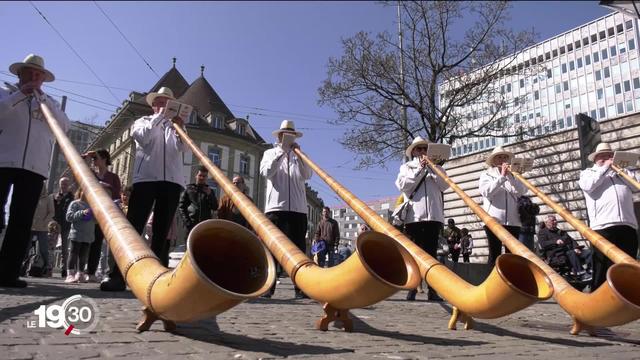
x: 405, y: 139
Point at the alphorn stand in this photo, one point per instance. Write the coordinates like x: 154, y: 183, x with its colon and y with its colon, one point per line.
x: 332, y: 314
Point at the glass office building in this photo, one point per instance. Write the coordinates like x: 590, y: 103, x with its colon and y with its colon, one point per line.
x: 590, y: 69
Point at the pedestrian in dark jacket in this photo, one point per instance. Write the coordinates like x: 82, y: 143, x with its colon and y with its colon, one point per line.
x: 329, y: 232
x: 528, y: 212
x: 61, y: 201
x: 198, y: 201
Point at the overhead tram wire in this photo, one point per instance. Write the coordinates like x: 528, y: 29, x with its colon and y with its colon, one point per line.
x: 125, y: 38
x: 74, y: 51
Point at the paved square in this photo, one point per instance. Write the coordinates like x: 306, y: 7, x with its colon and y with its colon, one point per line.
x: 284, y: 328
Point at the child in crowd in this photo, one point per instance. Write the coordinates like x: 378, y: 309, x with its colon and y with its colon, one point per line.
x: 81, y: 236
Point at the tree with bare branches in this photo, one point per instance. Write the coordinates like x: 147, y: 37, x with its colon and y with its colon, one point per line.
x: 453, y: 54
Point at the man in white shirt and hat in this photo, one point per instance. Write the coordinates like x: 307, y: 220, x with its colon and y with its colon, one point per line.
x: 425, y: 215
x: 26, y: 143
x: 158, y: 179
x: 610, y: 208
x: 286, y: 197
x: 500, y: 191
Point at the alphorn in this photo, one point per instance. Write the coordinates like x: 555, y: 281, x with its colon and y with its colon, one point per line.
x: 514, y: 283
x: 626, y: 176
x: 224, y: 265
x: 377, y: 269
x: 615, y: 302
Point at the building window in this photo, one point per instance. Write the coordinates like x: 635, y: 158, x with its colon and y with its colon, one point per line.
x: 600, y: 93
x: 562, y: 50
x: 611, y: 31
x: 602, y: 113
x: 613, y: 51
x: 218, y: 121
x: 193, y: 118
x: 628, y: 24
x: 596, y: 57
x: 585, y: 41
x: 598, y: 75
x: 602, y: 35
x: 245, y: 162
x: 579, y: 62
x: 618, y: 89
x: 604, y: 54
x: 619, y: 28
x: 622, y: 48
x: 564, y: 68
x: 521, y: 83
x: 558, y: 88
x: 214, y: 154
x: 242, y: 128
x: 587, y: 59
x: 607, y: 73
x: 632, y: 45
x: 569, y: 121
x: 565, y: 85
x: 572, y: 65
x: 620, y: 108
x: 536, y: 95
x: 593, y: 114
x: 636, y: 83
x: 627, y: 85
x: 570, y: 47
x: 629, y: 105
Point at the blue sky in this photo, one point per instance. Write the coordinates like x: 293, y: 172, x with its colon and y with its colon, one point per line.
x: 265, y: 59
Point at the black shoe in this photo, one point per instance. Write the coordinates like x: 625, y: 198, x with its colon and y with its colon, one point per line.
x: 13, y: 283
x: 432, y: 295
x: 411, y: 295
x: 267, y: 296
x: 113, y: 285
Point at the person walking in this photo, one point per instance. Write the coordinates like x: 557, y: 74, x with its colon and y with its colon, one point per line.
x: 61, y: 201
x: 328, y: 231
x: 39, y: 227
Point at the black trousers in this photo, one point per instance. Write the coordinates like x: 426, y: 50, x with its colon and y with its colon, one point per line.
x: 162, y: 197
x: 495, y: 245
x: 294, y: 225
x: 94, y: 251
x: 624, y: 237
x: 425, y: 234
x: 78, y: 255
x: 27, y: 186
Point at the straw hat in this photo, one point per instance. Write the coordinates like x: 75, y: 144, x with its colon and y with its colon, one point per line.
x: 35, y: 62
x: 163, y: 92
x: 289, y: 127
x: 498, y: 150
x: 417, y: 141
x: 601, y: 148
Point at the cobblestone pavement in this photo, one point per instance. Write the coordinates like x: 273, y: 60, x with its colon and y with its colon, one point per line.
x: 284, y: 328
